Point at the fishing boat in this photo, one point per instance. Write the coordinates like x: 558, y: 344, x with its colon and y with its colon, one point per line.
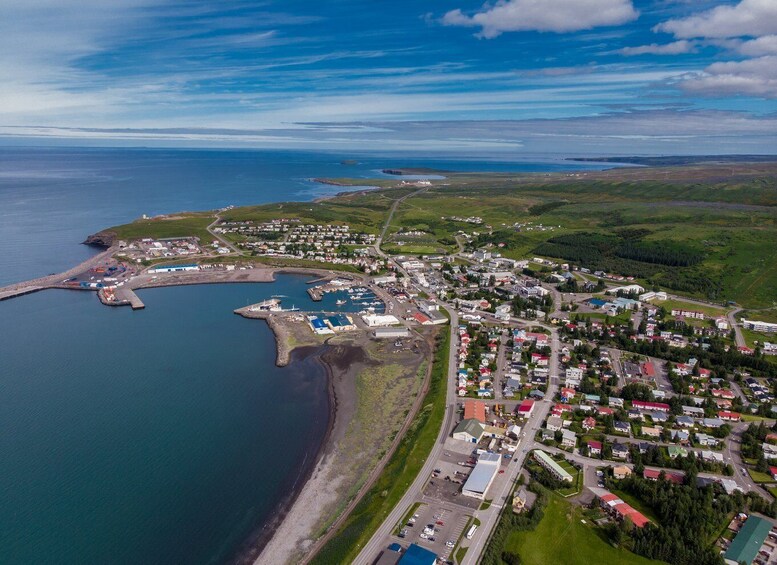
x: 340, y: 302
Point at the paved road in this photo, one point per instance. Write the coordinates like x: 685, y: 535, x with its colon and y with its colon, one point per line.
x: 414, y: 492
x: 490, y: 517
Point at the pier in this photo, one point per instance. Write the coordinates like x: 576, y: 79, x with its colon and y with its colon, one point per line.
x: 8, y: 293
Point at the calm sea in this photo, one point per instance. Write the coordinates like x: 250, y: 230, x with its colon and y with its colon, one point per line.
x: 165, y: 435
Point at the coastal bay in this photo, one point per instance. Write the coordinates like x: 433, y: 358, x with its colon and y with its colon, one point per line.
x: 154, y: 431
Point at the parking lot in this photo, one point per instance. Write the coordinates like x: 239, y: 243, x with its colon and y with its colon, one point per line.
x: 446, y: 523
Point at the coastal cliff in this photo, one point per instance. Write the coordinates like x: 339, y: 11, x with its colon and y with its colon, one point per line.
x: 103, y: 239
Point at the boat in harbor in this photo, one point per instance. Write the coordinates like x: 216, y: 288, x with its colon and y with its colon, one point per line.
x: 340, y: 302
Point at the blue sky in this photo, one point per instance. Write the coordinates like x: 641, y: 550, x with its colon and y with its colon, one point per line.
x: 585, y: 76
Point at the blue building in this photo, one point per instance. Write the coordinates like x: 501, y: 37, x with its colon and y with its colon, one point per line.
x: 417, y: 555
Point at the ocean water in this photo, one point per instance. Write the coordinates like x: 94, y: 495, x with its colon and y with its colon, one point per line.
x: 165, y: 435
x: 52, y: 198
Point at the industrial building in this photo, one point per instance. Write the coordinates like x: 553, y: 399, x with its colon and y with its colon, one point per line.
x: 482, y: 476
x: 469, y: 430
x: 173, y: 268
x: 748, y: 541
x: 391, y: 333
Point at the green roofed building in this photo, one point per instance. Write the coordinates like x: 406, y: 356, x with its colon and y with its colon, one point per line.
x: 749, y: 540
x: 550, y: 464
x: 469, y: 430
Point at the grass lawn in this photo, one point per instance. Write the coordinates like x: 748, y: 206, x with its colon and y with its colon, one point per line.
x: 751, y: 337
x: 177, y: 226
x: 562, y: 539
x: 574, y: 488
x: 670, y: 305
x: 759, y: 477
x: 772, y: 491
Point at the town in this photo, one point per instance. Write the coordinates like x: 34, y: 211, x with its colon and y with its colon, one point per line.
x: 582, y: 382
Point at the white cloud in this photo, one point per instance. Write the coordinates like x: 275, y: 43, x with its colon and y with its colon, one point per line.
x: 766, y: 45
x: 544, y: 15
x: 752, y: 77
x: 749, y: 18
x: 674, y: 48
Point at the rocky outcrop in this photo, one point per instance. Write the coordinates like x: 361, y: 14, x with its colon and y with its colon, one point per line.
x: 103, y: 239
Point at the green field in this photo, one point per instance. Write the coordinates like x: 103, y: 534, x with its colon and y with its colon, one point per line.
x: 182, y: 225
x: 562, y: 539
x: 759, y: 477
x: 670, y: 305
x: 701, y: 231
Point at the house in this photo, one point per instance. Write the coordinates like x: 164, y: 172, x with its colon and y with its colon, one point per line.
x: 659, y: 417
x: 604, y: 411
x: 655, y: 474
x: 694, y: 411
x: 712, y: 422
x: 568, y: 438
x: 651, y: 432
x: 589, y: 423
x: 723, y: 393
x: 650, y: 406
x: 469, y: 430
x: 621, y: 472
x: 676, y: 451
x: 526, y: 408
x: 706, y: 440
x: 594, y: 447
x: 618, y: 509
x: 616, y: 402
x: 620, y: 451
x: 773, y: 473
x: 729, y: 416
x: 770, y: 451
x: 554, y: 424
x: 713, y: 456
x: 567, y: 394
x: 685, y: 421
x: 621, y: 427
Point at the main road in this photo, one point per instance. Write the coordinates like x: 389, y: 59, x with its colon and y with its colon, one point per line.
x: 414, y: 492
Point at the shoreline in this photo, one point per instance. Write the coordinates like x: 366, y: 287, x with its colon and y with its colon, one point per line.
x: 252, y: 548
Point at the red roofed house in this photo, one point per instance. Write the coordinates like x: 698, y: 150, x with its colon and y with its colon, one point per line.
x: 539, y: 359
x: 567, y: 394
x: 745, y: 350
x: 730, y: 416
x: 653, y: 474
x: 641, y: 405
x: 526, y: 408
x: 594, y: 447
x: 605, y: 411
x: 620, y: 510
x: 773, y: 473
x: 723, y: 393
x: 475, y: 409
x: 589, y: 423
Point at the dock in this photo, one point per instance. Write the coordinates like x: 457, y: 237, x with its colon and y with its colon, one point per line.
x: 8, y: 293
x: 121, y: 296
